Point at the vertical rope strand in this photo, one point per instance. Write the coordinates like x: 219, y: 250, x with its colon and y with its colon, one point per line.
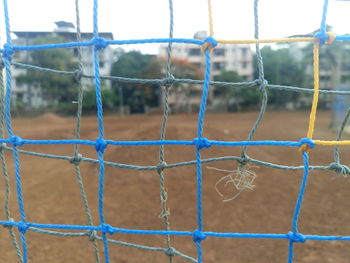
x: 7, y: 58
x: 100, y: 149
x: 4, y: 169
x: 203, y: 104
x: 297, y: 209
x: 171, y: 35
x: 316, y: 90
x: 7, y: 73
x: 257, y: 46
x: 301, y: 193
x: 290, y: 251
x: 165, y: 213
x: 263, y: 82
x: 210, y: 19
x: 201, y: 116
x: 323, y: 27
x: 77, y: 134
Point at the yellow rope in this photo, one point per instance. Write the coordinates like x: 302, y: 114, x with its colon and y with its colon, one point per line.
x: 316, y: 90
x: 316, y: 54
x: 210, y: 18
x: 310, y: 133
x: 262, y: 41
x: 331, y: 39
x: 332, y: 143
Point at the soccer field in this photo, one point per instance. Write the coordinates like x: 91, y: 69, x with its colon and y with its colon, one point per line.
x: 51, y: 193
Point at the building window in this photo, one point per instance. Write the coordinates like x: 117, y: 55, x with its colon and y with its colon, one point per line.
x: 218, y: 65
x: 220, y: 52
x: 102, y: 64
x: 244, y: 65
x: 19, y: 97
x: 244, y: 52
x: 325, y: 78
x: 217, y: 92
x: 194, y: 52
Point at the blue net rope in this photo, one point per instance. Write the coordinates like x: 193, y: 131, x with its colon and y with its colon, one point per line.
x: 14, y: 142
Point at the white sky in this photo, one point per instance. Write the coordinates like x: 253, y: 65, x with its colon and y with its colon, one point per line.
x: 135, y: 19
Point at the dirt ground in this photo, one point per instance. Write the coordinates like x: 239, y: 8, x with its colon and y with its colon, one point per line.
x: 51, y: 194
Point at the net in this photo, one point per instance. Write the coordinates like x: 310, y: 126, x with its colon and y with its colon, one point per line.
x: 103, y: 231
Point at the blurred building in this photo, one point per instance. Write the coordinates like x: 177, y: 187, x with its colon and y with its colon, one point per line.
x: 30, y: 95
x: 225, y: 57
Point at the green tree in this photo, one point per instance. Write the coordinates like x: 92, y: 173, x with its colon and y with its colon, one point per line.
x: 109, y: 99
x: 185, y: 94
x: 56, y: 89
x: 136, y: 65
x: 235, y: 98
x: 132, y: 65
x: 282, y: 68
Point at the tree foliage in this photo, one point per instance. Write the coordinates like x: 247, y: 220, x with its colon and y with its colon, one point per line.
x: 56, y: 89
x: 134, y: 64
x: 109, y: 99
x: 235, y: 98
x: 282, y: 68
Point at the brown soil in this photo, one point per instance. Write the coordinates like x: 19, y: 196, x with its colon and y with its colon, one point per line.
x: 51, y: 194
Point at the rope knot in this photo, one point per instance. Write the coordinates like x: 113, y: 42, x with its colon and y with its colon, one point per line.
x: 170, y: 252
x: 296, y: 237
x: 210, y: 43
x: 23, y: 227
x: 168, y: 81
x: 76, y: 159
x: 306, y: 144
x: 8, y: 51
x: 164, y: 213
x: 99, y: 43
x: 78, y: 74
x: 198, y: 236
x: 16, y: 141
x: 340, y: 169
x: 92, y: 235
x: 202, y: 143
x: 100, y: 145
x: 106, y: 228
x: 244, y: 159
x: 263, y: 83
x: 325, y: 38
x: 161, y: 166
